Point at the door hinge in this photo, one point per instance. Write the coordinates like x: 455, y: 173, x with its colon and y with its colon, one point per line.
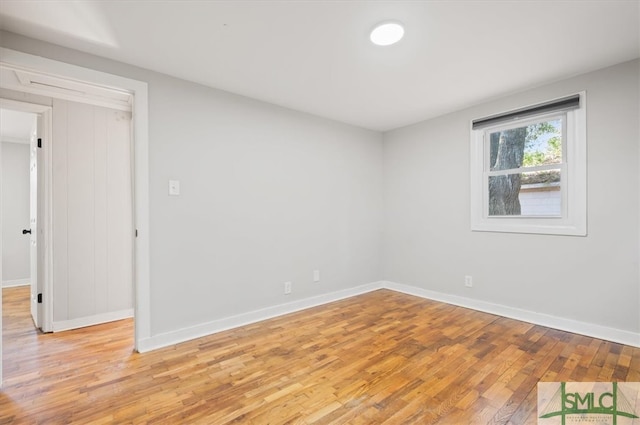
x: 136, y: 233
x: 39, y: 142
x: 39, y: 298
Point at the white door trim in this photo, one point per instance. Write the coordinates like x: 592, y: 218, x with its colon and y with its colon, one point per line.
x: 140, y: 153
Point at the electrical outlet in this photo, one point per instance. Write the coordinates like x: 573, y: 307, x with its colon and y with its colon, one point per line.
x: 316, y: 275
x: 468, y: 281
x: 287, y: 287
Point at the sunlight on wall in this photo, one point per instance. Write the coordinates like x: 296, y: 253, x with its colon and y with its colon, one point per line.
x: 80, y: 20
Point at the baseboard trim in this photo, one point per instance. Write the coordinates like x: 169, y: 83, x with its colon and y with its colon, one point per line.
x: 588, y: 329
x: 81, y: 322
x: 555, y: 322
x: 15, y: 282
x: 198, y: 331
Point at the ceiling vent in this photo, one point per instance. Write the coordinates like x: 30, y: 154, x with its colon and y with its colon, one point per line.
x: 61, y: 88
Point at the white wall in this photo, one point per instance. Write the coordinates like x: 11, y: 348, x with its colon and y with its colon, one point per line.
x: 268, y: 195
x: 15, y: 213
x: 593, y: 279
x: 92, y: 214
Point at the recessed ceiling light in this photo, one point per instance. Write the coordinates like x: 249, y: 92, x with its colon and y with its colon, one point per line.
x: 387, y: 33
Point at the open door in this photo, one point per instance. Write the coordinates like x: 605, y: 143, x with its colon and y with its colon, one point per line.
x: 35, y: 188
x: 137, y: 99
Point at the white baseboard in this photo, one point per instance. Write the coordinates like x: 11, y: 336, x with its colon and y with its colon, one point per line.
x: 15, y: 282
x: 555, y: 322
x: 64, y: 325
x: 198, y: 331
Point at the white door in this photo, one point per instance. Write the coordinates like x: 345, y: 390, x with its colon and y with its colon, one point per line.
x: 34, y: 161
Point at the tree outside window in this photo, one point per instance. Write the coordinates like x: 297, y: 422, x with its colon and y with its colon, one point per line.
x: 523, y: 156
x: 529, y: 169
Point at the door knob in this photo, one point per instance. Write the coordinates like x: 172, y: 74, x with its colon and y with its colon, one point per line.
x: 25, y: 231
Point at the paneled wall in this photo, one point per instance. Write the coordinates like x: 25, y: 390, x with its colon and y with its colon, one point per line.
x: 92, y: 214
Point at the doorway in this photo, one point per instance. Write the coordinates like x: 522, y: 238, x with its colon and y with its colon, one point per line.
x: 137, y: 99
x: 16, y: 130
x: 81, y: 205
x: 86, y: 179
x: 21, y: 127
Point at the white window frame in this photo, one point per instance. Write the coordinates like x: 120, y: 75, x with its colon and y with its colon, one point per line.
x: 573, y: 219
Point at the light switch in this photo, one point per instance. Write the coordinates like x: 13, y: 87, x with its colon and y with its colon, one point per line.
x: 174, y: 187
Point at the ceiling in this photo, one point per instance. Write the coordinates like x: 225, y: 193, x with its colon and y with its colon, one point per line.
x: 15, y: 126
x: 315, y: 56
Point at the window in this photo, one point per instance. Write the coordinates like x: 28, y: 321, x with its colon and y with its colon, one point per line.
x: 528, y: 169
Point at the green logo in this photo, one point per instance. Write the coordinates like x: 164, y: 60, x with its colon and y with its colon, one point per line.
x: 586, y: 404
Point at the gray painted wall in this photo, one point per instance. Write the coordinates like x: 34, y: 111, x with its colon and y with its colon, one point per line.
x: 268, y: 196
x: 428, y: 242
x: 15, y: 212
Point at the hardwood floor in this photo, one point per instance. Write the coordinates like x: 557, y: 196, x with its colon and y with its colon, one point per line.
x: 380, y: 358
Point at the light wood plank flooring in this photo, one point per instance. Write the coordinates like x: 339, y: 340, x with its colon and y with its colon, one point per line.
x: 380, y: 358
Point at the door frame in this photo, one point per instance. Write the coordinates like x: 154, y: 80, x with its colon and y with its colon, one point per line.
x: 140, y: 153
x: 44, y: 245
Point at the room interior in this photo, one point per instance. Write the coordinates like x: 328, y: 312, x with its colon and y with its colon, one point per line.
x: 315, y: 167
x: 15, y: 134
